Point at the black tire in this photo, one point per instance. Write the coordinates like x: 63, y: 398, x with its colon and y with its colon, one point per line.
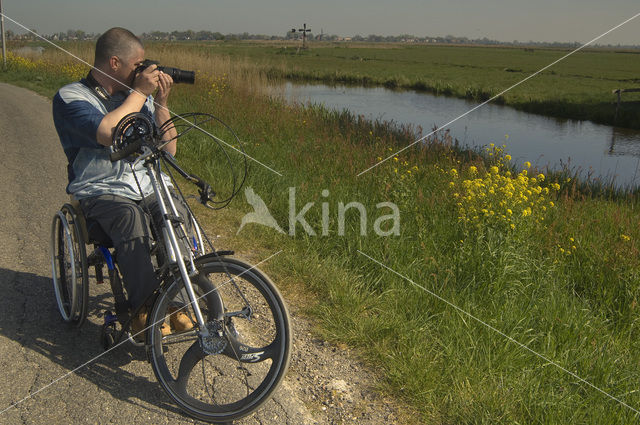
x: 253, y: 354
x: 69, y: 266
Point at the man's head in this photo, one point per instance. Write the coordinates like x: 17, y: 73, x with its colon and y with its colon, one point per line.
x: 118, y: 54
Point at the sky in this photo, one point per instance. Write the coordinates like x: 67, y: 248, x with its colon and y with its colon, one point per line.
x: 503, y: 20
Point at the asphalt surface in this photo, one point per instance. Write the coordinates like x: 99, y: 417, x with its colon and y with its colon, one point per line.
x: 42, y: 377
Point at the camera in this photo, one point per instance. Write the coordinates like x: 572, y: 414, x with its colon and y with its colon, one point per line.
x: 178, y: 75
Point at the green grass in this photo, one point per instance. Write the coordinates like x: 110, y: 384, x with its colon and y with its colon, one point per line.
x: 578, y: 87
x: 578, y: 310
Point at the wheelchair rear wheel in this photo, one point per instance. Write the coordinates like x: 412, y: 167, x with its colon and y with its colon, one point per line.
x: 69, y: 266
x: 234, y: 371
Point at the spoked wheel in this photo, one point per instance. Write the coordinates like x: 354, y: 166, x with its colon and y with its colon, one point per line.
x: 69, y: 266
x: 232, y: 372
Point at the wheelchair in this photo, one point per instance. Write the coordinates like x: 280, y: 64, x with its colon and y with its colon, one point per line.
x: 71, y: 238
x: 237, y: 349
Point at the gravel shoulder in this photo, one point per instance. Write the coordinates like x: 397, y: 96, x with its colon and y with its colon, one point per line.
x: 43, y: 360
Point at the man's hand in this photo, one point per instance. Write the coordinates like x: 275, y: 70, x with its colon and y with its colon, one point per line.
x: 146, y: 81
x: 164, y: 87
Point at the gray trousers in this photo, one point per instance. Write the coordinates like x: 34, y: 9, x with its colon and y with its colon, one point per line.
x: 127, y: 224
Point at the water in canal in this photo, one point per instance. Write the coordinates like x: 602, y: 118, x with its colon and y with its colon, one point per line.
x: 602, y: 151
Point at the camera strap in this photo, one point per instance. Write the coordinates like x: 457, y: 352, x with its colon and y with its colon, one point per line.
x: 105, y: 98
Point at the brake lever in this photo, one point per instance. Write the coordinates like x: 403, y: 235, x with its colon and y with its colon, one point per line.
x: 206, y: 193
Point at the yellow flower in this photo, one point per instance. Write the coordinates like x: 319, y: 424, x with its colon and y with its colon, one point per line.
x: 473, y: 169
x: 494, y: 170
x: 507, y: 157
x: 527, y: 164
x: 625, y: 238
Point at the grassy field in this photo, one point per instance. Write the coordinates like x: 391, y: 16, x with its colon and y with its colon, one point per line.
x: 578, y: 87
x: 537, y: 258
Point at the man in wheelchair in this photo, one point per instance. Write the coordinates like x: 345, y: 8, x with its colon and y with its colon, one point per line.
x: 115, y: 195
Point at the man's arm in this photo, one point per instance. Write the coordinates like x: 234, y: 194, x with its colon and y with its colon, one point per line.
x: 144, y: 84
x: 162, y: 111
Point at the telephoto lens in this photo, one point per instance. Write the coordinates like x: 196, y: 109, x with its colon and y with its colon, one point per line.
x: 178, y: 75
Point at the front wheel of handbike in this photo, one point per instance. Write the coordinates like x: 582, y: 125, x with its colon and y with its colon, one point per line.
x: 235, y: 370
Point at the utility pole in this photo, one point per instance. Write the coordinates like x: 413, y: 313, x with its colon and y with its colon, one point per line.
x: 304, y: 30
x: 4, y: 43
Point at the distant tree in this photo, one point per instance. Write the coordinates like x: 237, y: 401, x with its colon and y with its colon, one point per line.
x: 157, y: 35
x: 204, y: 35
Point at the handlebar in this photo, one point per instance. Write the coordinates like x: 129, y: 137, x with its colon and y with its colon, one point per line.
x: 137, y: 133
x: 126, y: 151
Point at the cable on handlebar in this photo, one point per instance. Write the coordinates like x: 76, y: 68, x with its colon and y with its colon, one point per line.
x: 187, y: 122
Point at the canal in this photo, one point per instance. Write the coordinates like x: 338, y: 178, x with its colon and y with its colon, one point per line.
x: 599, y: 151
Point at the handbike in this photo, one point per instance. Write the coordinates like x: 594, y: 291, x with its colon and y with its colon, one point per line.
x: 237, y: 349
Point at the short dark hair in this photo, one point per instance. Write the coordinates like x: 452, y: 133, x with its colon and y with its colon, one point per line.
x: 115, y: 42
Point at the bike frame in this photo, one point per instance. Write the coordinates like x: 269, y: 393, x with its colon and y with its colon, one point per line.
x: 170, y: 220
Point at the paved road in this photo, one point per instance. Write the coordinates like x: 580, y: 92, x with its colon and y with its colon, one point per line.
x: 36, y: 348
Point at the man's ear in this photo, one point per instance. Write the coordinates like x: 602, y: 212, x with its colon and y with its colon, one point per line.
x: 114, y: 63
